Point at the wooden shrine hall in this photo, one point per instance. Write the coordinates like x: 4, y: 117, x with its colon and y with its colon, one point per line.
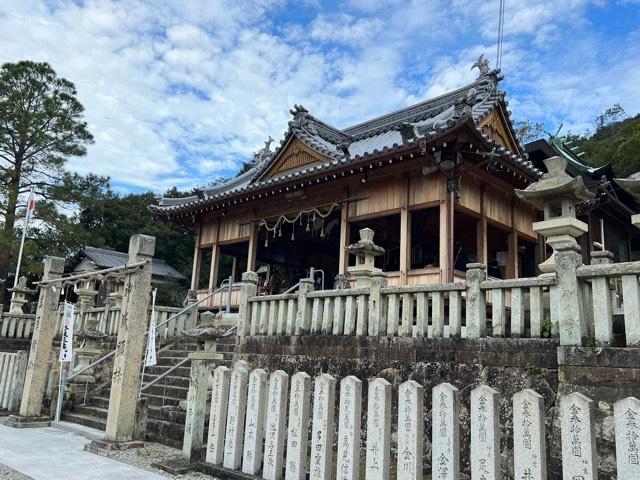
x: 435, y: 181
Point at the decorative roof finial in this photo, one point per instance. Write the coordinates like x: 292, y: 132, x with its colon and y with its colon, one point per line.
x: 483, y: 65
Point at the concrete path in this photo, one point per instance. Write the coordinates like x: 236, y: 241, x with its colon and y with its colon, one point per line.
x: 57, y: 453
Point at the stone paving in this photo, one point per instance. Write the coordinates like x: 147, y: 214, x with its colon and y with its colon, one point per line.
x: 53, y: 453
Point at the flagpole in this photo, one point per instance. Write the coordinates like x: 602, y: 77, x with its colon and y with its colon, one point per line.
x: 24, y: 235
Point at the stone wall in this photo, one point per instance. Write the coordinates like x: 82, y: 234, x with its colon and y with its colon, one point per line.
x: 605, y: 375
x: 508, y: 365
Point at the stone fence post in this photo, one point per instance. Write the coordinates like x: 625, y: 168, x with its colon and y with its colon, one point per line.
x: 41, y: 349
x: 476, y: 314
x: 602, y: 306
x: 568, y: 303
x: 377, y: 305
x: 248, y: 289
x: 130, y: 345
x: 303, y: 316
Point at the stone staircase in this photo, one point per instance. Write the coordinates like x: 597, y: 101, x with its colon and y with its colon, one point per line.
x: 165, y: 418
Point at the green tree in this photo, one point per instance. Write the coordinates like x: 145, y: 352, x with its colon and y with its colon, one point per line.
x: 41, y: 125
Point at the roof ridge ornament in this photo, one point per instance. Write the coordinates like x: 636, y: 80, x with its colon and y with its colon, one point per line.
x: 487, y: 74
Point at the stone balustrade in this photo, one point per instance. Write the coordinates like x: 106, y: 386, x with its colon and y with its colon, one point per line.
x: 518, y: 308
x: 16, y: 325
x: 13, y: 368
x: 238, y: 424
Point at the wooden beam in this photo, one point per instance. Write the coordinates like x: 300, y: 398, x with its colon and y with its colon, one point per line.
x: 512, y: 248
x: 215, y: 260
x: 444, y: 235
x: 405, y: 231
x: 195, y: 273
x: 344, y: 237
x: 481, y: 231
x: 253, y: 248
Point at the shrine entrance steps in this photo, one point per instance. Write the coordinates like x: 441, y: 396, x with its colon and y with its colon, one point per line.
x: 165, y: 415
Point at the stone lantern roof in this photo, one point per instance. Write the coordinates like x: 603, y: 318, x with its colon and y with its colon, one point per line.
x: 556, y: 183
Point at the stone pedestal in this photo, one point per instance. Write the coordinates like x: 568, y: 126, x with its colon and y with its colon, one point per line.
x: 40, y: 354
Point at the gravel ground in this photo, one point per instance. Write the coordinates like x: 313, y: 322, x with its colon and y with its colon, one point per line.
x: 153, y: 453
x: 7, y: 473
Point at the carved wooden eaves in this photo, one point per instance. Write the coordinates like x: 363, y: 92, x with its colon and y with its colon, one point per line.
x: 295, y: 156
x: 495, y: 126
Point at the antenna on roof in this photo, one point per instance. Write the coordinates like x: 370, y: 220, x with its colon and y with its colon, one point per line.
x: 500, y: 35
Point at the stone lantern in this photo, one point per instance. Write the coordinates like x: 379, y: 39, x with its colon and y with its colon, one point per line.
x: 631, y: 185
x: 19, y: 296
x: 557, y: 194
x: 86, y: 291
x: 365, y: 252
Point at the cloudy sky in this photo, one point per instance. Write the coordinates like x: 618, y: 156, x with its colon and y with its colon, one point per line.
x: 180, y: 92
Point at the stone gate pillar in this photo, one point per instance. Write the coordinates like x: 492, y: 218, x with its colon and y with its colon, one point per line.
x: 41, y: 349
x: 130, y: 345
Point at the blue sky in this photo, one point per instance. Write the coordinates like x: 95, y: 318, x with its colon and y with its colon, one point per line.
x: 178, y: 93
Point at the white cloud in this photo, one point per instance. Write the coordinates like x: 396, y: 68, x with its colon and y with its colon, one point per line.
x: 178, y: 93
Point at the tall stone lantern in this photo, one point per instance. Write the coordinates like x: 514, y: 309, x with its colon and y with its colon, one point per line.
x: 631, y: 185
x: 365, y: 252
x: 557, y: 194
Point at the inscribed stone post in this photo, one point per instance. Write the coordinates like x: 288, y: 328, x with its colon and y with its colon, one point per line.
x: 445, y: 437
x: 131, y: 342
x: 476, y: 312
x: 377, y: 462
x: 410, y: 430
x: 255, y: 422
x: 248, y: 289
x: 529, y: 444
x: 276, y: 430
x: 377, y: 305
x: 298, y: 437
x: 218, y: 415
x: 578, y: 437
x: 626, y: 414
x: 235, y: 419
x: 196, y: 405
x: 572, y: 324
x: 303, y: 313
x: 602, y: 306
x: 43, y: 332
x: 322, y: 429
x: 349, y: 427
x: 485, y: 433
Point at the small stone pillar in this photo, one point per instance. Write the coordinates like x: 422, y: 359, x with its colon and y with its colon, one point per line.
x: 248, y: 289
x: 19, y: 295
x: 365, y: 252
x: 567, y: 302
x: 41, y: 349
x: 130, y: 347
x: 377, y: 305
x: 303, y: 315
x: 603, y: 304
x: 476, y: 313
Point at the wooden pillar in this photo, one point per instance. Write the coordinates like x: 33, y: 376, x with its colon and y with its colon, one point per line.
x: 344, y: 237
x: 405, y: 232
x: 512, y: 246
x: 446, y: 247
x: 253, y: 249
x: 481, y: 231
x: 195, y: 274
x: 215, y: 260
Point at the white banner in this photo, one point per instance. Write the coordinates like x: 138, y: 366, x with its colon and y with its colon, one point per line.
x: 150, y: 358
x: 66, y: 345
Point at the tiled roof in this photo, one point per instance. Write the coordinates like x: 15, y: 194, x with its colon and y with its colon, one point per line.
x: 109, y: 258
x: 383, y: 134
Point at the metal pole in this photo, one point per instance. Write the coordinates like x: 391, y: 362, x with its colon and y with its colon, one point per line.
x: 229, y: 294
x: 61, y: 387
x: 24, y: 235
